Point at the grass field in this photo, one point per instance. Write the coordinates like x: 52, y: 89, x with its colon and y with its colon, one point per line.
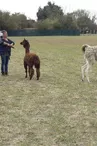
x: 57, y: 110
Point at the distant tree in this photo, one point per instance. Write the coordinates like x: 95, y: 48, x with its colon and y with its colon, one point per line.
x: 4, y: 20
x: 20, y: 20
x: 84, y: 20
x: 45, y: 24
x: 12, y: 21
x: 50, y: 17
x: 51, y: 11
x: 31, y: 23
x: 68, y: 22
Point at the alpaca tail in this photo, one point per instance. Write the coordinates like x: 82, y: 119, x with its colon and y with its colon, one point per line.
x: 84, y: 47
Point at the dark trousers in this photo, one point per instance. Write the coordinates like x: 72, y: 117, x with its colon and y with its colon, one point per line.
x: 4, y: 64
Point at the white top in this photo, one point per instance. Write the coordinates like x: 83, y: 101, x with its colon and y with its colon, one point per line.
x: 1, y: 34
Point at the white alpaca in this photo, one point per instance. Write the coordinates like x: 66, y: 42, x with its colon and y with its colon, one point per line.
x: 90, y: 56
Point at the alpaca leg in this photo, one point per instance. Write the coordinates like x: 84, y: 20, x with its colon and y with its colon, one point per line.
x: 25, y: 66
x: 87, y: 72
x: 37, y: 66
x: 37, y: 73
x: 26, y: 72
x: 31, y: 73
x: 83, y: 71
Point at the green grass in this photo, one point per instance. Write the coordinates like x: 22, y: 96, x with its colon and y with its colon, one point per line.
x: 57, y: 110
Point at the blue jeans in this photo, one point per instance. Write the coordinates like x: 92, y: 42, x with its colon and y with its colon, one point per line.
x: 4, y: 64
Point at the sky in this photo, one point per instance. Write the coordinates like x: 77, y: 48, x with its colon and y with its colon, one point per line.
x: 30, y: 7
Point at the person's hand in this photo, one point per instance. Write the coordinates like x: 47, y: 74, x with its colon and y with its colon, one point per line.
x: 10, y: 45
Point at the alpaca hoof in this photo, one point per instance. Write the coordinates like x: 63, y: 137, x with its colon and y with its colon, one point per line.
x: 30, y: 77
x: 37, y: 78
x: 25, y: 76
x: 82, y: 80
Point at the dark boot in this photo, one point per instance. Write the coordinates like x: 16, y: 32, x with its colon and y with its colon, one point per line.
x: 3, y: 73
x: 6, y: 73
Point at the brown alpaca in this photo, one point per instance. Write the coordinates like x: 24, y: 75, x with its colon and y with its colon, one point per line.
x: 30, y: 60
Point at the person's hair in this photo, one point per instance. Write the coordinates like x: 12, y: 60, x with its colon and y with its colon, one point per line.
x: 3, y: 31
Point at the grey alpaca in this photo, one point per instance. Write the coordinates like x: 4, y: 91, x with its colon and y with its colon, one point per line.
x: 90, y: 56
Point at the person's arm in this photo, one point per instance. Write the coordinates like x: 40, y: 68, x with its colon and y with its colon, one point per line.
x: 7, y: 44
x: 4, y: 43
x: 11, y: 43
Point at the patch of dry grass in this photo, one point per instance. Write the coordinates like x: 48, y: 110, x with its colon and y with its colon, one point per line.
x: 57, y: 110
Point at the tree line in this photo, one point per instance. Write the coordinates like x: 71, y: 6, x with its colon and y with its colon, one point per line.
x: 50, y: 16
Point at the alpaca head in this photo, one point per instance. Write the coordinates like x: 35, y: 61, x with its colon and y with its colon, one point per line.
x: 25, y: 44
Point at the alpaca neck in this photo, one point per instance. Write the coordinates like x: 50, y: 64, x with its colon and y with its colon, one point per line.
x: 27, y: 50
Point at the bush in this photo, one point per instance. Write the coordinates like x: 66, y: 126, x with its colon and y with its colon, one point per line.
x: 45, y: 24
